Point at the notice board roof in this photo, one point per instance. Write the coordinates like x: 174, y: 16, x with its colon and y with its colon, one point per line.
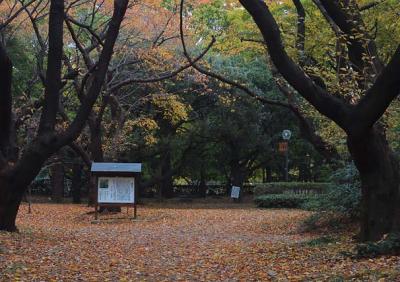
x: 116, y: 167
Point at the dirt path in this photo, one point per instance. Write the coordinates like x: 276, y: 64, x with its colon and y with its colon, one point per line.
x: 60, y: 243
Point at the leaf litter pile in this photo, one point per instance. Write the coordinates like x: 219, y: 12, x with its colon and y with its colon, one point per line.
x: 63, y: 243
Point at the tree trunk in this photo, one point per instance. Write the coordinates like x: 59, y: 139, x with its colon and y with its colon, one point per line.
x: 76, y: 183
x: 9, y: 205
x: 167, y: 189
x: 5, y: 102
x: 238, y: 177
x: 95, y: 146
x: 57, y: 180
x: 380, y: 176
x: 96, y: 153
x: 268, y: 174
x: 14, y: 182
x: 202, y: 184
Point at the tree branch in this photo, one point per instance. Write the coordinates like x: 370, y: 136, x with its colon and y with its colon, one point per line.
x: 99, y: 75
x: 353, y: 26
x: 325, y: 103
x: 378, y: 98
x: 370, y: 5
x: 5, y: 102
x: 88, y: 28
x: 219, y: 77
x: 53, y: 74
x: 162, y: 77
x: 13, y: 16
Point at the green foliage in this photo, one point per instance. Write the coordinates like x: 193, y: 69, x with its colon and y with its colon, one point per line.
x: 211, y: 18
x: 293, y: 201
x: 290, y: 187
x: 387, y: 246
x: 323, y: 240
x: 23, y: 60
x: 343, y: 195
x: 323, y: 221
x: 168, y: 4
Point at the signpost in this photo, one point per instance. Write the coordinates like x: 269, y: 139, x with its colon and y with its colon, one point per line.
x: 286, y: 134
x: 115, y: 184
x: 283, y: 147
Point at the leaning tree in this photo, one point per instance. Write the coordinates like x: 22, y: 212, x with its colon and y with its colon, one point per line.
x: 17, y: 172
x: 360, y: 119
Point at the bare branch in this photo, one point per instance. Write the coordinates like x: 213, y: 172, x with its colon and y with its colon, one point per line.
x: 16, y: 13
x: 163, y: 77
x: 371, y: 5
x: 88, y: 28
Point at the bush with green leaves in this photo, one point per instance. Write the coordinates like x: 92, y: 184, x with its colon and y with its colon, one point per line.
x: 387, y: 246
x: 343, y: 194
x: 290, y: 187
x: 292, y: 201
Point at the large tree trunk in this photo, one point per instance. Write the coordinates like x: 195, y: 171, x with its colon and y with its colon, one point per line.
x: 203, y: 182
x: 95, y: 146
x: 57, y: 181
x: 380, y: 178
x: 239, y: 175
x: 5, y: 103
x: 166, y: 185
x: 14, y: 182
x: 96, y: 153
x: 9, y: 204
x: 76, y: 183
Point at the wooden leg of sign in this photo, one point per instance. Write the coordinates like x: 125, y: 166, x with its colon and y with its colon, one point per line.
x: 134, y: 211
x: 96, y: 211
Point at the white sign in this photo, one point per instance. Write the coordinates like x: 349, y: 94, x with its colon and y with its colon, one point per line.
x: 116, y: 190
x: 235, y: 192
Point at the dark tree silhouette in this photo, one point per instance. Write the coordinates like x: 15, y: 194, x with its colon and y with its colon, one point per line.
x: 16, y: 175
x: 378, y: 167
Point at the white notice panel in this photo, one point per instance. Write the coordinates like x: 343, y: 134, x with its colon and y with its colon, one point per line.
x: 235, y: 192
x: 116, y: 190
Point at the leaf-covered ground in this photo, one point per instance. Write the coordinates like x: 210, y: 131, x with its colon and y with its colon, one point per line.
x: 201, y: 243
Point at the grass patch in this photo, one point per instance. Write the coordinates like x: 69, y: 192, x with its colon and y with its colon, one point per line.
x: 320, y: 241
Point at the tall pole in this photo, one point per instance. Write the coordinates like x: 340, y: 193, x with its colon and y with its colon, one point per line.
x: 286, y: 134
x: 287, y: 163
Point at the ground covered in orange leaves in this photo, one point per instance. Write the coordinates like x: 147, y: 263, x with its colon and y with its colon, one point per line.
x: 198, y: 243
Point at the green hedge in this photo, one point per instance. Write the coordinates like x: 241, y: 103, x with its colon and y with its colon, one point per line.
x: 292, y: 201
x: 290, y: 188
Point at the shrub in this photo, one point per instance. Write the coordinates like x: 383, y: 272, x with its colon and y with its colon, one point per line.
x: 290, y: 187
x: 387, y: 246
x: 325, y: 221
x: 281, y: 201
x: 340, y: 205
x: 342, y: 196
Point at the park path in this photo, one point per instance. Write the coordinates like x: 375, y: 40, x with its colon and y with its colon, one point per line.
x: 200, y: 243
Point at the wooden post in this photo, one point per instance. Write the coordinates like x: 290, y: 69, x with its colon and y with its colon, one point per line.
x: 29, y: 200
x: 96, y: 207
x: 134, y: 211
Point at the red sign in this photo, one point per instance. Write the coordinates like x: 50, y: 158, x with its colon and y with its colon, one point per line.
x: 283, y: 147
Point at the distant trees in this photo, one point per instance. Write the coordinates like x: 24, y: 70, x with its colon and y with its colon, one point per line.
x: 359, y: 118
